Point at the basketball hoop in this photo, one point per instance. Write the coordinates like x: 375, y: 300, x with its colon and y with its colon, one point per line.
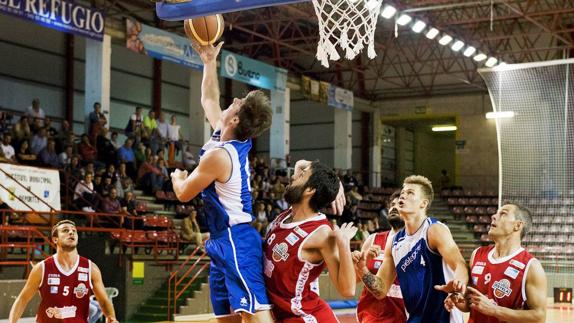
x: 348, y: 24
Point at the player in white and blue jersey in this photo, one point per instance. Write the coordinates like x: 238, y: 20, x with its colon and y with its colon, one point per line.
x: 424, y: 257
x: 222, y: 176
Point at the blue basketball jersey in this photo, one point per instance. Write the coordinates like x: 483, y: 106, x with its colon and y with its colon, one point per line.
x: 419, y: 268
x: 229, y: 203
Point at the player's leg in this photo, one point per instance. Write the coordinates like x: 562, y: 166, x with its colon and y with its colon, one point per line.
x: 217, y: 289
x: 244, y: 275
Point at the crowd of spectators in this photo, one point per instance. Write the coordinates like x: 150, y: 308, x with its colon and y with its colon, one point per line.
x: 105, y: 172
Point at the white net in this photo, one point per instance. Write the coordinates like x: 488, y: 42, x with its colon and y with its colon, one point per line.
x: 536, y: 152
x: 347, y: 24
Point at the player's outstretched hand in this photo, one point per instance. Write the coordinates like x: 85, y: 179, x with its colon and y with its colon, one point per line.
x: 207, y: 53
x: 481, y: 303
x: 359, y: 261
x: 179, y: 175
x: 453, y: 286
x: 346, y: 232
x: 373, y: 252
x: 339, y: 203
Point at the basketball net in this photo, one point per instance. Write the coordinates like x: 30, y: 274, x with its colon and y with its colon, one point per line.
x: 348, y: 24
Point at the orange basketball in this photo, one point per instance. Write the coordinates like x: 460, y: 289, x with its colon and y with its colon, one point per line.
x: 204, y: 30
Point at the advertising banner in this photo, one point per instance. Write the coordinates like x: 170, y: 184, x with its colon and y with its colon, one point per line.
x: 44, y: 183
x: 252, y: 72
x: 340, y: 98
x: 67, y: 16
x: 160, y: 44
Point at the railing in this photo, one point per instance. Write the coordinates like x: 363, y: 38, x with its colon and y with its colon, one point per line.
x: 174, y: 294
x: 32, y: 238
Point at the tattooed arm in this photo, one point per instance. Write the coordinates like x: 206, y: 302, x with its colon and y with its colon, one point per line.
x: 380, y: 283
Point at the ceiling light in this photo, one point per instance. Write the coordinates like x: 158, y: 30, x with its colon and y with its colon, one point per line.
x: 419, y: 26
x: 469, y: 51
x: 500, y: 115
x: 458, y: 45
x: 444, y: 40
x: 404, y: 19
x: 480, y: 57
x: 431, y: 34
x: 388, y: 12
x: 443, y: 128
x: 491, y: 62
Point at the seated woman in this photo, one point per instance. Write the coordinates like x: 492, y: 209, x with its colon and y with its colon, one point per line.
x: 24, y: 155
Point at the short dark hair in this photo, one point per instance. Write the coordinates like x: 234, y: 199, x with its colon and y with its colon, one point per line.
x: 396, y: 194
x: 55, y: 227
x: 254, y: 115
x: 325, y: 183
x: 522, y: 213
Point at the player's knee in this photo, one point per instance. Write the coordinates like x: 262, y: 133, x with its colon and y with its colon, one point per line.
x: 258, y: 317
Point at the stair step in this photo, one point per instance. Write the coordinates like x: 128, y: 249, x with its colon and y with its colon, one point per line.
x: 138, y: 192
x: 150, y: 317
x: 146, y: 198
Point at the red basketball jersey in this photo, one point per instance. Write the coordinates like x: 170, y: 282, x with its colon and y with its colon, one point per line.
x: 65, y: 295
x: 390, y: 309
x: 502, y: 280
x: 293, y: 283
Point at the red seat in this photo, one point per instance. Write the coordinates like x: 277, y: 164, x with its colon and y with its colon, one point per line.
x: 474, y: 201
x: 452, y: 201
x: 484, y: 219
x: 471, y: 219
x: 491, y: 210
x: 480, y: 210
x: 479, y: 228
x: 457, y: 210
x: 141, y: 206
x: 463, y: 201
x: 160, y: 195
x: 484, y: 237
x: 468, y: 210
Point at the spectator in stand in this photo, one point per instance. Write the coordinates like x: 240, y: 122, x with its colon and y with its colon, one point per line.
x: 150, y: 177
x: 7, y: 148
x: 134, y: 127
x: 84, y: 195
x: 349, y: 180
x: 125, y: 180
x: 126, y: 155
x: 129, y: 207
x: 271, y: 213
x: 22, y: 129
x: 107, y: 186
x: 353, y: 196
x: 349, y: 214
x: 25, y: 155
x: 140, y: 154
x: 278, y: 189
x: 111, y: 203
x: 52, y: 132
x: 65, y: 157
x: 162, y: 128
x: 188, y: 159
x: 163, y: 168
x: 70, y: 139
x: 74, y: 168
x: 35, y: 111
x: 37, y: 124
x: 48, y: 155
x: 114, y: 140
x: 86, y: 150
x: 261, y: 218
x: 174, y: 133
x: 89, y: 168
x: 444, y: 180
x: 39, y: 141
x: 281, y: 203
x: 104, y: 146
x: 190, y: 230
x: 98, y: 184
x: 97, y: 120
x: 149, y: 124
x: 112, y: 173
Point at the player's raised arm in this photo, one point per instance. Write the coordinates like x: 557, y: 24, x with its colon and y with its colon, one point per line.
x: 380, y: 283
x: 31, y: 287
x: 101, y: 295
x: 440, y: 239
x: 210, y: 84
x: 214, y: 165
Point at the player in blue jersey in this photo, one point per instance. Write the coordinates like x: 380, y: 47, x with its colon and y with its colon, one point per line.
x: 222, y: 176
x: 424, y: 255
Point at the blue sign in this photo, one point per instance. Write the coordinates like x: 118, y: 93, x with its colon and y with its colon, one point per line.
x: 340, y: 98
x: 161, y: 44
x: 66, y: 16
x: 252, y: 72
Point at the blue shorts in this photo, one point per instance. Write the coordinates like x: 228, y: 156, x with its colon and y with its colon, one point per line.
x: 236, y: 275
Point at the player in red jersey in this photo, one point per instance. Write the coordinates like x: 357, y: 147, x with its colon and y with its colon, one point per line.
x: 509, y: 284
x: 390, y: 309
x: 300, y: 243
x: 65, y: 281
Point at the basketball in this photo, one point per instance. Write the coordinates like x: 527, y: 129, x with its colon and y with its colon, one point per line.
x: 204, y: 30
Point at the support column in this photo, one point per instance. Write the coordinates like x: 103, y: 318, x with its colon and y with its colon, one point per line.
x: 279, y: 134
x: 69, y: 75
x: 156, y: 87
x: 343, y: 139
x: 376, y: 160
x: 97, y: 71
x: 200, y: 130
